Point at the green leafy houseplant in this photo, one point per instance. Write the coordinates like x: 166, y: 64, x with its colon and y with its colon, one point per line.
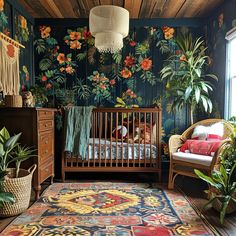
x: 184, y: 76
x: 224, y: 187
x: 11, y: 151
x: 5, y: 196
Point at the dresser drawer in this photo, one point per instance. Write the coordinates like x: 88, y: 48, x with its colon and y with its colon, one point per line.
x: 45, y: 148
x: 45, y: 171
x: 45, y: 125
x: 45, y: 115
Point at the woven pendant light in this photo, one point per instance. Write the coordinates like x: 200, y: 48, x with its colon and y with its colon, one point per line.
x: 109, y: 25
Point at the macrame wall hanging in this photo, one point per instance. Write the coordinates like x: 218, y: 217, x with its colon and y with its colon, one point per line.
x: 9, y: 65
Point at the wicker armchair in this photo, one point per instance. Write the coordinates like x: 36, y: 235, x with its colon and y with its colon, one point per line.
x: 181, y: 166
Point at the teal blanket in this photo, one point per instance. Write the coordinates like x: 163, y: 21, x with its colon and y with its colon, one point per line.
x: 77, y: 129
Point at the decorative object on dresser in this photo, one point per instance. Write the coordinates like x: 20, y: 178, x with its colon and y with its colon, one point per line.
x: 28, y: 99
x: 37, y: 127
x: 13, y: 101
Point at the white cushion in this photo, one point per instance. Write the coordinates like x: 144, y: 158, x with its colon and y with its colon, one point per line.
x: 192, y: 158
x: 217, y: 129
x: 200, y: 132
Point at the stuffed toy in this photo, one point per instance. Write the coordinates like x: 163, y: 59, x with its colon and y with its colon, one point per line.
x: 120, y: 132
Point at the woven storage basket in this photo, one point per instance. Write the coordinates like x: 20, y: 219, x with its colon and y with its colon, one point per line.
x: 20, y: 188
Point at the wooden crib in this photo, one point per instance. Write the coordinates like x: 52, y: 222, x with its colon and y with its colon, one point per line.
x: 110, y: 150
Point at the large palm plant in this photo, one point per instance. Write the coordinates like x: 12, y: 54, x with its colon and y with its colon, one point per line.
x: 184, y: 76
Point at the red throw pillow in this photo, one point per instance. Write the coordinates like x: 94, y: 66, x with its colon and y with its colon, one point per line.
x: 201, y: 147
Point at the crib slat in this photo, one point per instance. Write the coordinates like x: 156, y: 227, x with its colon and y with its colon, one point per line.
x: 122, y: 156
x: 95, y: 122
x: 105, y: 139
x: 159, y: 141
x: 117, y: 117
x: 111, y: 118
x: 145, y: 131
x: 139, y: 118
x: 127, y: 114
x: 133, y: 132
x: 151, y: 139
x: 100, y: 136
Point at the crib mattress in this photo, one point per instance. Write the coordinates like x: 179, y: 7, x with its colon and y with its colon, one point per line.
x: 113, y: 150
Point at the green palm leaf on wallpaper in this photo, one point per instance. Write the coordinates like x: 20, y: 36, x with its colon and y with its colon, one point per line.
x: 45, y: 64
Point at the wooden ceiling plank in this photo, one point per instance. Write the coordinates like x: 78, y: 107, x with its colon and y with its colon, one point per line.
x: 82, y: 8
x: 209, y: 6
x: 133, y: 6
x: 158, y: 8
x: 51, y: 7
x: 171, y: 8
x: 29, y: 9
x: 147, y: 8
x: 75, y: 7
x: 190, y: 8
x: 65, y: 7
x: 38, y: 8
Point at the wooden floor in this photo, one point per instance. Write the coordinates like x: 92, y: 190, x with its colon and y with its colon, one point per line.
x: 193, y: 189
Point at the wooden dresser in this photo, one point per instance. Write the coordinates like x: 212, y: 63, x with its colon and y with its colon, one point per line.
x: 37, y: 127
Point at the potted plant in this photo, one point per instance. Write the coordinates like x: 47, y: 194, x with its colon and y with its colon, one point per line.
x: 223, y: 194
x: 17, y: 181
x: 184, y: 76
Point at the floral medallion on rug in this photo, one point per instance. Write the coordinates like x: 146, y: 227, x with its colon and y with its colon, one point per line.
x: 104, y: 208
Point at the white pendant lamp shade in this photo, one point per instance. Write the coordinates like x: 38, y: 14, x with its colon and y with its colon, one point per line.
x: 109, y: 25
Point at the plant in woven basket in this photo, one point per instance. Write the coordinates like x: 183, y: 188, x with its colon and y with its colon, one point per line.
x: 223, y: 195
x: 11, y: 151
x: 5, y: 196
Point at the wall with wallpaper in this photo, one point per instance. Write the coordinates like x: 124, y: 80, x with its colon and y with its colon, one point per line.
x: 68, y: 64
x: 17, y: 24
x: 218, y: 25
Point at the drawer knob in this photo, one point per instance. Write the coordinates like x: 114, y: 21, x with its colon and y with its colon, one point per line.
x: 46, y: 142
x: 46, y: 125
x: 46, y: 151
x: 46, y: 169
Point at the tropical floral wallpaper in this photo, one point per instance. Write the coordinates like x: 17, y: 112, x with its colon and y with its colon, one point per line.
x: 19, y: 28
x: 69, y: 69
x: 222, y: 21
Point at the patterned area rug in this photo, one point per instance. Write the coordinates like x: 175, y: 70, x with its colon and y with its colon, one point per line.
x: 105, y: 208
